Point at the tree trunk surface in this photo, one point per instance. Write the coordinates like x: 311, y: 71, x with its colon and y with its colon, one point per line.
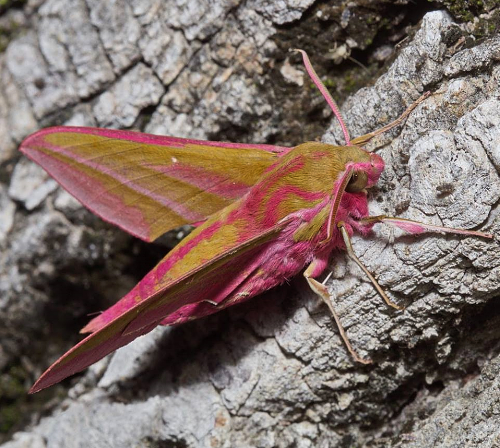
x: 272, y: 372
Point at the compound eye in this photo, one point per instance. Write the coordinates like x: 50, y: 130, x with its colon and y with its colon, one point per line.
x: 358, y: 182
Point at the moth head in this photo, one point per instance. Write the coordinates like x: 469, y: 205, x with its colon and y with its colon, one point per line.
x: 367, y: 168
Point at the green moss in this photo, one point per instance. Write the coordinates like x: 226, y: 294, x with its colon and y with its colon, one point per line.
x: 464, y: 10
x: 386, y: 23
x: 6, y: 36
x: 9, y: 27
x: 12, y: 397
x: 10, y: 415
x: 471, y: 11
x: 487, y: 27
x: 340, y: 87
x: 330, y: 83
x: 349, y: 83
x: 11, y: 383
x: 4, y: 4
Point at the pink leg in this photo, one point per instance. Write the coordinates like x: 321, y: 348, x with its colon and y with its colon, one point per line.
x: 315, y: 268
x: 416, y: 227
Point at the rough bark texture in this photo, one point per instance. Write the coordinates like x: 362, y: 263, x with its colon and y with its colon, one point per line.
x: 272, y: 372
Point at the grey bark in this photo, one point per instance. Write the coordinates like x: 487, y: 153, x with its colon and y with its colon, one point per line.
x: 272, y: 372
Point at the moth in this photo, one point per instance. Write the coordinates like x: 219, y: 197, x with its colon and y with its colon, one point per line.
x: 262, y: 214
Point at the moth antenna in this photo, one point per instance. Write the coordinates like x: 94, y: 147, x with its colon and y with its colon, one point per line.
x: 359, y: 141
x: 326, y: 94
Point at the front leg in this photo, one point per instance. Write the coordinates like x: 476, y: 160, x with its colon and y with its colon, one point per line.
x: 417, y: 227
x: 352, y: 256
x: 313, y: 270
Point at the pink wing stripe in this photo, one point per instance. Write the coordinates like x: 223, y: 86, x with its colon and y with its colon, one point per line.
x: 214, y: 291
x: 278, y: 196
x: 206, y: 181
x: 160, y: 140
x: 149, y: 285
x: 55, y: 166
x: 76, y: 183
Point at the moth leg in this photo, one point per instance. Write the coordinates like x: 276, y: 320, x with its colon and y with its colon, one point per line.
x: 320, y: 290
x: 416, y: 227
x: 352, y: 255
x: 367, y: 137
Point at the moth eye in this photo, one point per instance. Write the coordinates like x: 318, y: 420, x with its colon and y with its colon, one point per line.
x: 358, y: 182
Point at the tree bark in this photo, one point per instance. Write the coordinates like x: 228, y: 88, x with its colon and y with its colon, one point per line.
x: 274, y: 371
